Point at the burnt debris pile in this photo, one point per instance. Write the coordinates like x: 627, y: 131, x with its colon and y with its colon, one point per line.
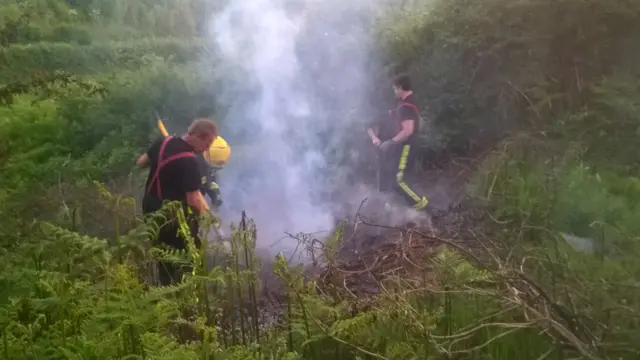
x: 366, y: 253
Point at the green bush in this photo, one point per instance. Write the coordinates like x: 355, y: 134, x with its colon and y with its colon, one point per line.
x: 570, y: 197
x: 490, y: 68
x: 70, y: 33
x: 86, y: 21
x: 72, y: 295
x: 581, y: 171
x: 78, y: 136
x: 21, y: 61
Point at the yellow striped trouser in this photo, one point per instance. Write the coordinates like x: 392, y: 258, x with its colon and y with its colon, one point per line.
x: 421, y: 202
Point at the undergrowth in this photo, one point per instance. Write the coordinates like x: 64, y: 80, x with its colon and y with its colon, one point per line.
x: 569, y: 200
x: 65, y: 295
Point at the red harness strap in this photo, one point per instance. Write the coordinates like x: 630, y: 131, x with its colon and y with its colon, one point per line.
x: 415, y: 108
x: 162, y: 163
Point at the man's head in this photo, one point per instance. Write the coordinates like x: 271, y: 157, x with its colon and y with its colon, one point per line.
x: 202, y: 132
x: 401, y: 86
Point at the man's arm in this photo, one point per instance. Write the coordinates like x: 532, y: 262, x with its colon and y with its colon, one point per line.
x: 372, y: 130
x: 196, y: 201
x: 191, y: 182
x: 408, y: 127
x: 409, y: 118
x: 144, y: 159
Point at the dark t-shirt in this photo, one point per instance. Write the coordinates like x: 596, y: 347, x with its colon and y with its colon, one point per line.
x: 176, y: 178
x: 390, y: 125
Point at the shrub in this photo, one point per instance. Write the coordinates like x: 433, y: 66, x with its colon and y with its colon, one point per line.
x: 77, y: 135
x: 491, y: 68
x: 21, y: 61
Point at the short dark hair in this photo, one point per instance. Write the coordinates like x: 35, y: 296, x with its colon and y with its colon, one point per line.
x: 402, y: 81
x: 203, y: 128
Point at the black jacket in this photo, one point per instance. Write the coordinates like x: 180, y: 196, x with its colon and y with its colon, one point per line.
x: 209, y: 186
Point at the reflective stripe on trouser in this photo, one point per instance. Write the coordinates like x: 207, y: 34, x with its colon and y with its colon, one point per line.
x: 421, y: 202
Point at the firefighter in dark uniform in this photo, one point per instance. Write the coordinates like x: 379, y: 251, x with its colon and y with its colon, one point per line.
x: 210, y: 162
x: 395, y: 135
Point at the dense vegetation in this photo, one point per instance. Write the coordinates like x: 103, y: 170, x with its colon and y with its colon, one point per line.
x: 551, y: 87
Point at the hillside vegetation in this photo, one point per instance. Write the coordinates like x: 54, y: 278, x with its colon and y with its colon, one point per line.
x: 550, y: 87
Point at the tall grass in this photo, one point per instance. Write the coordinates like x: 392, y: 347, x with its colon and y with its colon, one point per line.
x: 72, y: 295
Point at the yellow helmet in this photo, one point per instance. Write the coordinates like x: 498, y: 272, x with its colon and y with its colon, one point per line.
x: 218, y: 153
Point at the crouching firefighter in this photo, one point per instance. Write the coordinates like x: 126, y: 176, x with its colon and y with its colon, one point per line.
x: 395, y: 135
x: 211, y: 162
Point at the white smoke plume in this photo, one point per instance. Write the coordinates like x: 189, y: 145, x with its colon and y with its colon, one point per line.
x: 299, y: 69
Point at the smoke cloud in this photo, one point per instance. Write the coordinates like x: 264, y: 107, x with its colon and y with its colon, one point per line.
x: 301, y: 72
